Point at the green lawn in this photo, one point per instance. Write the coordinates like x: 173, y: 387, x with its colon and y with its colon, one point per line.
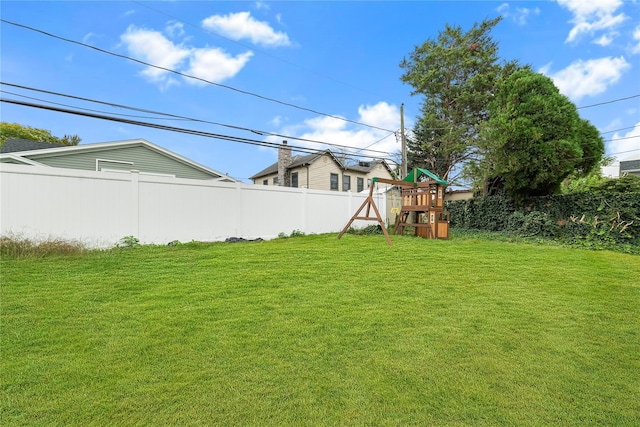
x: 318, y: 331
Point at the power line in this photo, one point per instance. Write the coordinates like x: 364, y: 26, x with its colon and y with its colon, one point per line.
x: 617, y: 130
x: 171, y: 128
x: 609, y: 102
x: 619, y: 139
x: 624, y: 152
x: 174, y: 117
x: 360, y: 150
x: 153, y: 125
x: 86, y: 109
x: 244, y: 92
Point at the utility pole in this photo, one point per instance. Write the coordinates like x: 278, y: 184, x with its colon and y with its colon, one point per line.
x: 402, y: 141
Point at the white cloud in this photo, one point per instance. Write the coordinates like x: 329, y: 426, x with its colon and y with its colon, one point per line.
x: 636, y: 40
x: 206, y: 63
x: 242, y: 25
x: 174, y: 29
x: 519, y: 15
x: 215, y: 65
x: 152, y: 47
x: 545, y: 69
x: 588, y: 78
x: 592, y: 16
x: 381, y: 115
x: 87, y: 38
x: 276, y: 121
x: 336, y: 131
x: 605, y: 39
x: 612, y: 126
x: 627, y: 144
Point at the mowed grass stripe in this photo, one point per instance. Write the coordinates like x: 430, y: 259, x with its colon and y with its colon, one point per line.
x: 318, y: 331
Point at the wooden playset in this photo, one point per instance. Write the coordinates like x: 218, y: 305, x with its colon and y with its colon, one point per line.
x: 422, y: 206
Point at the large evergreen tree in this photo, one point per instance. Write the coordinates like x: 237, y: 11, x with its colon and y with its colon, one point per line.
x: 534, y: 138
x: 455, y: 73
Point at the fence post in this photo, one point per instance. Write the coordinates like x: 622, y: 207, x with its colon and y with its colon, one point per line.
x: 135, y: 203
x: 239, y: 225
x: 303, y: 211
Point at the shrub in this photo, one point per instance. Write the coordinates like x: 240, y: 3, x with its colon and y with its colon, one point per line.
x: 489, y: 213
x: 532, y: 224
x: 294, y: 233
x: 603, y: 219
x: 626, y: 184
x: 128, y: 242
x: 368, y: 230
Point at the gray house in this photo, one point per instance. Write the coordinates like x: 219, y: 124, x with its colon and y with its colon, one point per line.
x: 116, y: 156
x: 630, y: 167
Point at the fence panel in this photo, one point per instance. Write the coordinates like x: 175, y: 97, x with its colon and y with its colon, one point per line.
x: 99, y: 208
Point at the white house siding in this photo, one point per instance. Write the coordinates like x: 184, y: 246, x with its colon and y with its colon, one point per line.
x: 379, y: 171
x: 303, y: 181
x: 269, y: 179
x: 320, y: 172
x: 317, y: 175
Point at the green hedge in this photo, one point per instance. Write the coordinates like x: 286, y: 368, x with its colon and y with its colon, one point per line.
x: 598, y: 220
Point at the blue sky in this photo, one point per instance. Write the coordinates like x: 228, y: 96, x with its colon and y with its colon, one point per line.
x: 321, y: 58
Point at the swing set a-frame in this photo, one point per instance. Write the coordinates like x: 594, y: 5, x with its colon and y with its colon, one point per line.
x: 423, y: 195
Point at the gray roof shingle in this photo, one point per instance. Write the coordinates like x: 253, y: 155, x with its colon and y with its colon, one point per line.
x: 14, y: 145
x: 295, y: 162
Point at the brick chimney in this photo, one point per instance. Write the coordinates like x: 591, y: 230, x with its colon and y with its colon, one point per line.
x: 284, y: 161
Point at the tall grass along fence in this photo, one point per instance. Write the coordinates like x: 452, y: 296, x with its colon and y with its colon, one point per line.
x: 98, y: 209
x: 596, y: 220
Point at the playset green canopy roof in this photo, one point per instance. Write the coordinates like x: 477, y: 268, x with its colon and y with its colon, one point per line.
x: 421, y: 172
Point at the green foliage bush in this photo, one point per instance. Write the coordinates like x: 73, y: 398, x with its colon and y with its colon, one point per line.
x: 16, y: 130
x: 365, y: 231
x: 294, y: 233
x: 625, y: 184
x: 599, y: 220
x: 128, y: 242
x: 532, y: 224
x: 489, y: 213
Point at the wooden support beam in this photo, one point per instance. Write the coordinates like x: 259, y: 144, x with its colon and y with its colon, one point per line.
x: 368, y: 203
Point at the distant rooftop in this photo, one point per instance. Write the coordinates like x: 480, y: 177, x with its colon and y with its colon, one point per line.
x: 14, y: 145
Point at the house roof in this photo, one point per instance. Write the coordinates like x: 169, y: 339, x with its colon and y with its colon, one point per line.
x: 366, y: 167
x: 35, y: 152
x: 13, y: 145
x: 629, y: 165
x: 298, y: 161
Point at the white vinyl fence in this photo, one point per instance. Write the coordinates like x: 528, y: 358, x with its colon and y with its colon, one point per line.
x: 99, y: 208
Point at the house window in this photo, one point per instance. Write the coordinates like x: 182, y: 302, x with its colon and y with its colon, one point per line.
x: 360, y: 184
x: 275, y: 180
x: 346, y: 183
x: 294, y: 179
x: 265, y: 182
x: 334, y: 181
